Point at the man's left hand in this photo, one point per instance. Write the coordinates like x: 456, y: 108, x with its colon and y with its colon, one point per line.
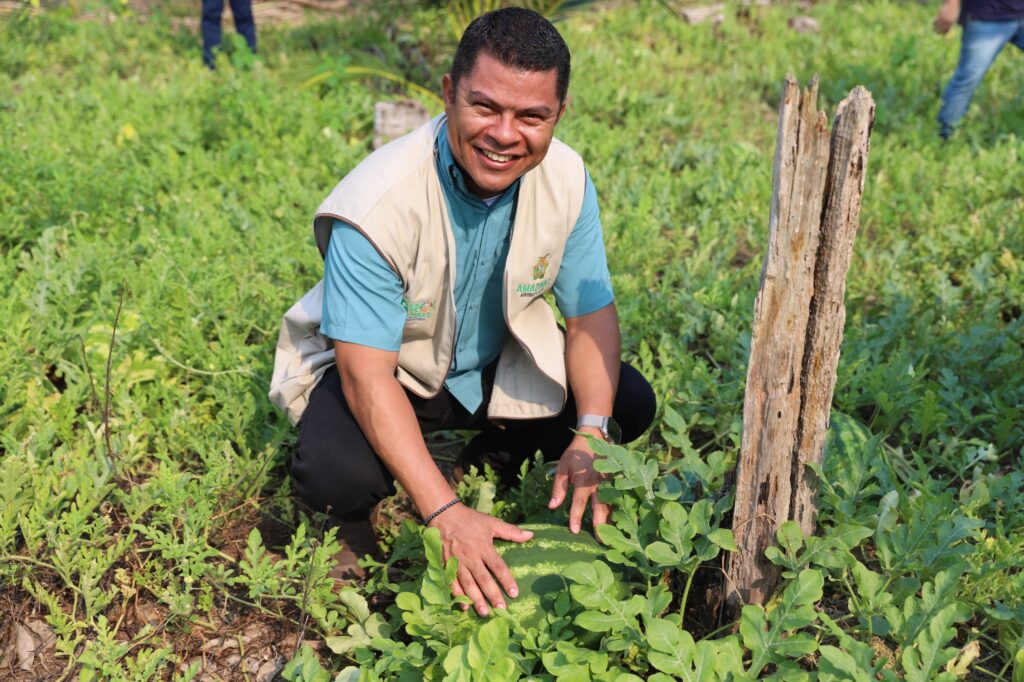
x: 576, y: 468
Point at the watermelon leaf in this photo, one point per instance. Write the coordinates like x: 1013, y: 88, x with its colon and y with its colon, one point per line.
x: 723, y: 537
x: 593, y: 588
x: 485, y: 657
x: 765, y: 633
x: 569, y: 663
x: 923, y: 659
x: 851, y: 659
x: 936, y: 598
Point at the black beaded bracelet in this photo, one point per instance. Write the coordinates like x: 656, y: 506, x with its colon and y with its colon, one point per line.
x: 439, y: 510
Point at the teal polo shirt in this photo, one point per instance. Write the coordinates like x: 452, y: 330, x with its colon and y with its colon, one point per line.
x: 363, y: 295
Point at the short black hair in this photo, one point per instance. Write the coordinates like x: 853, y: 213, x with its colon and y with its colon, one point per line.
x: 516, y: 37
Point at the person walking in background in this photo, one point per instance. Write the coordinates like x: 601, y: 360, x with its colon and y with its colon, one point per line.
x: 987, y: 26
x: 244, y: 24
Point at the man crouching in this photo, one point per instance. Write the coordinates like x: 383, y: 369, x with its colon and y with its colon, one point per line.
x: 438, y: 250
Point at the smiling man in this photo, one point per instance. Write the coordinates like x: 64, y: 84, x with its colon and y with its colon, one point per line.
x: 439, y: 249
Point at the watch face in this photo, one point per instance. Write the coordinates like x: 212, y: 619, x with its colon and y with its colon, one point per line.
x: 614, y: 432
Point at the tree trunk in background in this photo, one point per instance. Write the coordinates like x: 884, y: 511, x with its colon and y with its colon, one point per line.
x: 797, y: 328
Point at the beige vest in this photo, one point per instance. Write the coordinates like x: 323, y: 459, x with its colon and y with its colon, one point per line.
x: 394, y: 197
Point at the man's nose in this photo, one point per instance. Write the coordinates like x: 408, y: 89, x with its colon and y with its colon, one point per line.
x: 504, y: 132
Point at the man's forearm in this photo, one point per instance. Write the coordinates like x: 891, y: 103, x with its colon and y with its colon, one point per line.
x: 593, y: 359
x: 383, y: 412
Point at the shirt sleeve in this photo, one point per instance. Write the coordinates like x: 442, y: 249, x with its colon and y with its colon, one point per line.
x: 584, y: 285
x: 362, y: 294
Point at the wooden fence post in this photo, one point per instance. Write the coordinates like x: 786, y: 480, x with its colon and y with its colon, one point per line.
x: 798, y: 327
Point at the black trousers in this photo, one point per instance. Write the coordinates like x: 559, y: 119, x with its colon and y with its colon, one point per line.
x: 335, y: 469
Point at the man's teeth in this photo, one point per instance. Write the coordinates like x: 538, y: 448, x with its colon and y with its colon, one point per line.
x: 501, y: 158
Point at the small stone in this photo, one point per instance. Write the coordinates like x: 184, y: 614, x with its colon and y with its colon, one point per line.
x: 803, y: 24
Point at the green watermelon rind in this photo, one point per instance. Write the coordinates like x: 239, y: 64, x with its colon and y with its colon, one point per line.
x: 845, y: 434
x: 539, y: 567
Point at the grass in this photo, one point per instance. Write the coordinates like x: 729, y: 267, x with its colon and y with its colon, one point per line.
x: 130, y: 170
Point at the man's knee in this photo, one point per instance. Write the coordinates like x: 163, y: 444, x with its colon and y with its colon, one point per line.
x: 333, y: 468
x: 330, y: 480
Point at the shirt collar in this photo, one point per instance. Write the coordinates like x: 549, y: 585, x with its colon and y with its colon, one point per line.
x: 453, y: 177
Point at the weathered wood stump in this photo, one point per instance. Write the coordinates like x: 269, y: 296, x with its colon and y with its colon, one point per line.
x: 798, y: 327
x: 699, y: 15
x: 394, y: 119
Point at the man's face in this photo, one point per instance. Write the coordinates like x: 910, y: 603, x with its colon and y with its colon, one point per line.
x: 500, y: 122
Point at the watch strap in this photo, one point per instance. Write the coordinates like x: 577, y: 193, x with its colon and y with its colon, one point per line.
x: 609, y: 429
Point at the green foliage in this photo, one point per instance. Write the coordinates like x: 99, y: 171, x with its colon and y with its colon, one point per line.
x: 129, y: 167
x: 769, y: 636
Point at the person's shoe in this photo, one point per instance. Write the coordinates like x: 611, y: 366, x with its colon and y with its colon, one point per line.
x: 357, y: 538
x: 945, y: 132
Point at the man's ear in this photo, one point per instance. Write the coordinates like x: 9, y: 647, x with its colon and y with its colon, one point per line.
x: 561, y: 110
x: 447, y: 90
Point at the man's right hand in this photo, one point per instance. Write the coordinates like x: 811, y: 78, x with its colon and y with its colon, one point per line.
x: 947, y: 17
x: 469, y: 536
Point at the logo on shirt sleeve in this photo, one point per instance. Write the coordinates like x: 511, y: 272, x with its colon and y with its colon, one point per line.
x: 417, y: 311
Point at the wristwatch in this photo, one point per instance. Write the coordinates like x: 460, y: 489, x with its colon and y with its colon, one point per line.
x: 609, y: 427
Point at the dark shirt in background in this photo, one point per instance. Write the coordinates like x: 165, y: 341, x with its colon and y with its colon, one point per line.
x: 990, y: 10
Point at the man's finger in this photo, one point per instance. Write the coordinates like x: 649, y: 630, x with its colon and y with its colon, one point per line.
x: 468, y: 583
x: 601, y: 512
x: 497, y: 566
x: 559, y: 488
x: 490, y: 589
x: 506, y: 531
x: 459, y: 592
x: 579, y: 505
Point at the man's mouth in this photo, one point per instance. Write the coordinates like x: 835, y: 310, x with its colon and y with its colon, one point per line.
x: 499, y: 158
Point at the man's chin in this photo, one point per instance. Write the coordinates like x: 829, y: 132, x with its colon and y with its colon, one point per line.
x: 492, y: 187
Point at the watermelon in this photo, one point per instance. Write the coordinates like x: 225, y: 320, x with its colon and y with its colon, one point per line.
x: 850, y: 463
x: 539, y: 567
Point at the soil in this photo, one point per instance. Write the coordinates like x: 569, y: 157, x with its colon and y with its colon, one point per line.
x: 232, y: 641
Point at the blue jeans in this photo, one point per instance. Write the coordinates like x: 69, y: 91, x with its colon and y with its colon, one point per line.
x: 244, y: 24
x: 982, y: 41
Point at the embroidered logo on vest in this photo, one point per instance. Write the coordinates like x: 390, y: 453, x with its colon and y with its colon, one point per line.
x: 539, y: 283
x: 541, y: 267
x: 417, y: 311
